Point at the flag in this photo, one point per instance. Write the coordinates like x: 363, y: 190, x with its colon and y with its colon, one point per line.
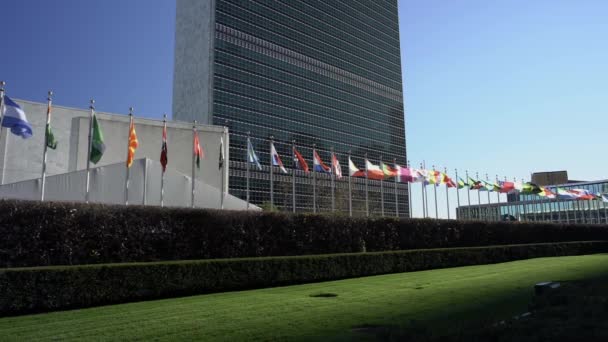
x: 565, y: 194
x: 133, y: 143
x: 197, y: 150
x: 373, y: 171
x: 506, y: 187
x: 582, y: 194
x: 448, y: 181
x: 300, y: 162
x: 462, y: 183
x: 530, y: 189
x: 276, y: 160
x: 221, y: 160
x: 50, y: 137
x: 335, y: 166
x: 317, y: 163
x: 406, y: 174
x: 486, y: 186
x: 353, y: 170
x: 98, y: 147
x: 163, y: 149
x: 434, y: 177
x: 605, y: 197
x: 251, y: 156
x: 387, y: 170
x: 14, y: 118
x: 546, y: 193
x: 474, y: 185
x: 424, y: 176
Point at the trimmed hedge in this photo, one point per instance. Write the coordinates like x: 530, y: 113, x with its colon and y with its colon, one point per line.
x: 47, y: 233
x: 27, y: 290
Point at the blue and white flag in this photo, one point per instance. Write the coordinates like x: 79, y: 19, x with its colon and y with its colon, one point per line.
x: 251, y: 156
x: 276, y: 160
x: 14, y: 118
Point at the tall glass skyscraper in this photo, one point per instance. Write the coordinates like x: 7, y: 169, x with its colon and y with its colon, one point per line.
x: 323, y: 73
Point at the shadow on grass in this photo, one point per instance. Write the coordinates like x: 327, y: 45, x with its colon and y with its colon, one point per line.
x: 577, y: 311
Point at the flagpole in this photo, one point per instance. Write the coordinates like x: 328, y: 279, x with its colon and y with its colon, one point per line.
x: 162, y: 176
x: 396, y: 195
x: 193, y: 159
x: 447, y: 193
x: 435, y: 194
x: 2, y: 84
x: 126, y: 162
x: 457, y: 192
x: 605, y: 210
x: 293, y: 178
x: 350, y: 189
x: 559, y: 209
x: 488, y: 216
x: 525, y: 210
x: 333, y: 185
x: 468, y: 194
x: 596, y: 204
x: 422, y: 188
x: 92, y: 113
x: 478, y: 196
x: 247, y: 168
x: 382, y: 188
x: 46, y: 139
x: 271, y: 175
x: 224, y: 162
x: 498, y: 200
x: 366, y: 188
x: 508, y: 206
x: 314, y: 180
x: 426, y: 194
x: 409, y: 194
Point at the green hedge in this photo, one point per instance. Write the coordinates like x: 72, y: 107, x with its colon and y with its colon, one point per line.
x: 27, y: 290
x: 47, y: 233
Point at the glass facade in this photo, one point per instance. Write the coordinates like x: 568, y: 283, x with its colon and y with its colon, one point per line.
x: 536, y: 208
x: 323, y: 73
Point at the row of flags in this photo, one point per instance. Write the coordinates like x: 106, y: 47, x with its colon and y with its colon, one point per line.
x: 14, y: 119
x: 413, y: 175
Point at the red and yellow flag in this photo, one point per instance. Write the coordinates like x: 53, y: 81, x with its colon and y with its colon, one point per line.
x: 133, y: 143
x: 198, y: 150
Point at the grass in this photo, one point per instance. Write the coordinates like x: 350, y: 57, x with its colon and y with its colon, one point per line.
x: 441, y: 299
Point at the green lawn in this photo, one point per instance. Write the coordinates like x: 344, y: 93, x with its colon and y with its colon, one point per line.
x: 438, y: 299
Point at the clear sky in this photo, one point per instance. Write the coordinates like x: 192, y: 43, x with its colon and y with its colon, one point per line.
x: 497, y: 87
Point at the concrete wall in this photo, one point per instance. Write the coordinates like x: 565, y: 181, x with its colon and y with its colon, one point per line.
x: 193, y: 70
x: 21, y: 159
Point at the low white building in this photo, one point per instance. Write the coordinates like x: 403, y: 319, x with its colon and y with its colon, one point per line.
x: 21, y: 159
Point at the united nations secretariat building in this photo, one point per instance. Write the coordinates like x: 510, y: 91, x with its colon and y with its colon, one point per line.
x: 321, y: 73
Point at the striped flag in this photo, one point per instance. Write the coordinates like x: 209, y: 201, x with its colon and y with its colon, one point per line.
x: 15, y: 120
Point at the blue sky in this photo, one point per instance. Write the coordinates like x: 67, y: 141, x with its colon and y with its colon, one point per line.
x: 506, y: 88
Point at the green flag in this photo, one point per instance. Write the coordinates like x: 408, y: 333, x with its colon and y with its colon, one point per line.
x: 461, y: 183
x: 97, y: 145
x: 530, y: 189
x: 50, y: 137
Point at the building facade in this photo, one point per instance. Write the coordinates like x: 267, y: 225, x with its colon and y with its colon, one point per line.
x: 325, y: 74
x: 536, y: 208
